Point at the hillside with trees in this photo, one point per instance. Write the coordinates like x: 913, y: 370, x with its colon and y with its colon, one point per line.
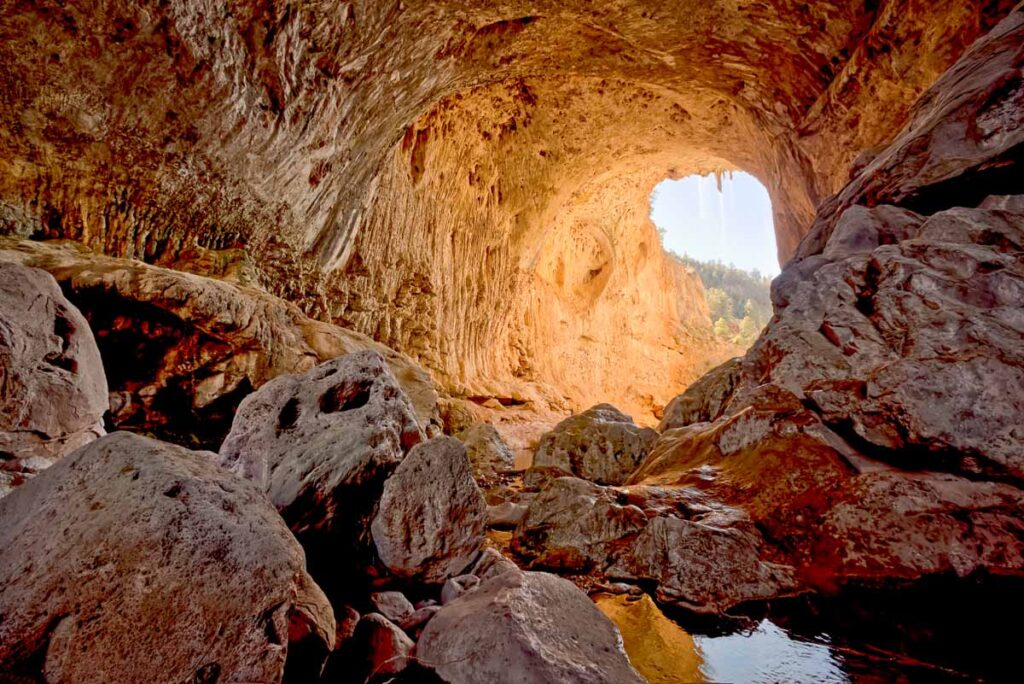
x: 739, y: 300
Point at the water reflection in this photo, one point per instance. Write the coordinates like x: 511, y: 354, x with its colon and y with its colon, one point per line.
x: 767, y: 654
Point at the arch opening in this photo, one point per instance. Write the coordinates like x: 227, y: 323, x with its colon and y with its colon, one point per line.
x: 721, y: 227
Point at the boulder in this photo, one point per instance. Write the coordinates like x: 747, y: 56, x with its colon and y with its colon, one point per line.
x: 602, y: 445
x: 384, y: 647
x: 505, y: 515
x: 53, y: 390
x: 708, y: 565
x: 133, y: 560
x: 491, y: 563
x: 430, y: 522
x: 487, y: 451
x: 183, y: 350
x: 392, y: 604
x: 457, y: 586
x: 524, y: 627
x: 321, y: 445
x: 575, y: 526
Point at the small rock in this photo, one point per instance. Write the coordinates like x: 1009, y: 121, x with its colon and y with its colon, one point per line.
x: 505, y: 515
x: 414, y: 624
x: 386, y: 648
x: 431, y: 519
x: 392, y: 604
x: 457, y: 586
x: 525, y: 627
x: 491, y: 564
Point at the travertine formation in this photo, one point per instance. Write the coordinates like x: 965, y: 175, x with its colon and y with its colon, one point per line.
x: 466, y: 182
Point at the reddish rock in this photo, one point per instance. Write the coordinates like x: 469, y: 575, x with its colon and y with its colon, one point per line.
x: 183, y: 350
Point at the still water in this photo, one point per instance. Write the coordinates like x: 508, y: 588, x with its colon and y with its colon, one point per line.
x: 930, y: 636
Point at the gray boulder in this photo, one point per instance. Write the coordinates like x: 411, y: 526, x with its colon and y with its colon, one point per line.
x: 524, y: 627
x: 321, y: 445
x: 487, y: 451
x: 575, y: 526
x: 392, y: 604
x: 430, y: 522
x: 53, y: 391
x: 132, y: 560
x: 602, y: 445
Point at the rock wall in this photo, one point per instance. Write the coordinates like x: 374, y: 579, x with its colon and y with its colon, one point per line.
x: 418, y: 169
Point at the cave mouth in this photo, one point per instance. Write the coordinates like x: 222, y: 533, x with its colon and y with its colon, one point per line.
x: 721, y: 226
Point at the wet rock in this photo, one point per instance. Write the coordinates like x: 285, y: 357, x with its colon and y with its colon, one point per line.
x: 487, y: 451
x: 457, y: 586
x: 524, y: 627
x: 321, y: 445
x: 706, y: 566
x: 575, y: 526
x: 184, y: 350
x: 602, y: 445
x: 53, y: 390
x: 431, y: 518
x: 392, y: 604
x: 151, y: 552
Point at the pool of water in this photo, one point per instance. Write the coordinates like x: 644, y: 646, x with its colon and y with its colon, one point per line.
x: 941, y: 632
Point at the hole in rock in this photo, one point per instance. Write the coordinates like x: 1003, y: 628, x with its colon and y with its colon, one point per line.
x: 720, y: 225
x: 344, y: 397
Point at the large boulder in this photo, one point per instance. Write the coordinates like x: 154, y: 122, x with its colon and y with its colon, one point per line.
x: 133, y: 560
x: 53, y: 391
x: 707, y: 565
x: 487, y: 451
x: 575, y: 526
x: 524, y: 627
x: 431, y: 519
x: 602, y: 445
x: 321, y: 444
x: 183, y: 350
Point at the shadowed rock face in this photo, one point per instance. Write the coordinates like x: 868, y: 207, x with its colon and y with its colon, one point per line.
x: 464, y: 181
x: 135, y: 560
x: 182, y: 350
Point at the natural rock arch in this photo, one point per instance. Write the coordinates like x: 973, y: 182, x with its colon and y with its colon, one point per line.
x: 408, y: 168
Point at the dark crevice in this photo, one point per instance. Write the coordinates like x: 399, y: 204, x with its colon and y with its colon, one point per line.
x: 345, y: 397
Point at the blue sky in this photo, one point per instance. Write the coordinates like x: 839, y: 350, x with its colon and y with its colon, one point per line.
x: 734, y: 226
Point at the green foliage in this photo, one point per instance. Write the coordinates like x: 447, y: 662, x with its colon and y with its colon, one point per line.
x: 739, y: 301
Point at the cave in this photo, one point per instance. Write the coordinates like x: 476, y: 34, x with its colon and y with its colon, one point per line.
x: 384, y: 278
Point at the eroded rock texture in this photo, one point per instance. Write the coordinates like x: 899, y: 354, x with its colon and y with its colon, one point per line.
x: 873, y: 432
x: 134, y: 560
x: 464, y: 181
x: 322, y: 444
x: 183, y: 350
x: 53, y: 391
x: 524, y: 627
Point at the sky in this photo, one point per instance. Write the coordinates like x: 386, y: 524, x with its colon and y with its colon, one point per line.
x: 734, y: 226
